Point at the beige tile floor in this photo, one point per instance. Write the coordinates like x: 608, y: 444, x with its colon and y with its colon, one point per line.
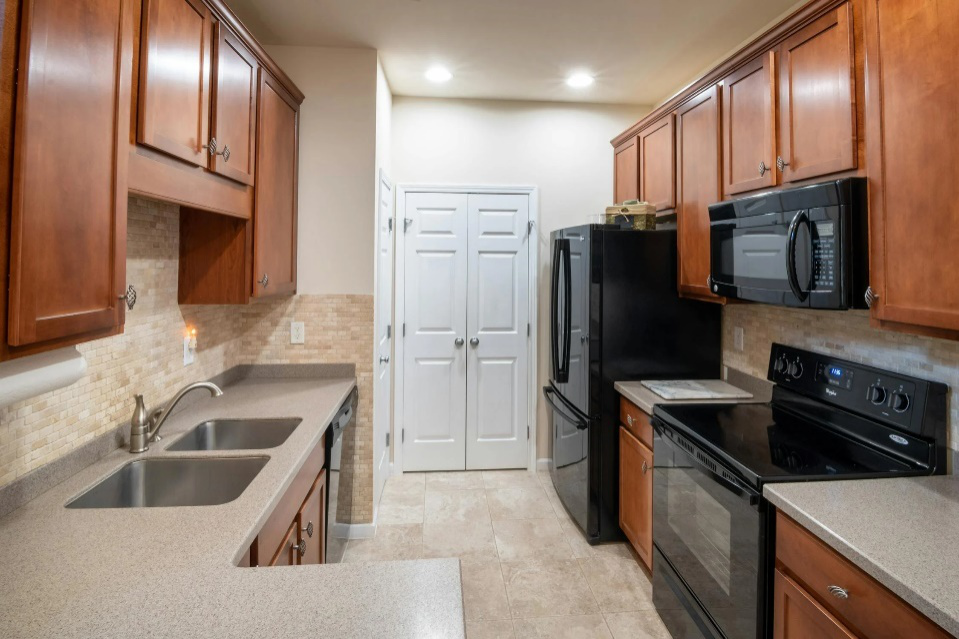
x: 527, y: 570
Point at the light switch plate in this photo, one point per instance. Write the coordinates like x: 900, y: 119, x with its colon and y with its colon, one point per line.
x: 189, y: 354
x: 739, y: 338
x: 297, y: 333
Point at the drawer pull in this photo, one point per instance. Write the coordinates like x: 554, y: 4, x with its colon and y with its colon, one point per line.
x: 645, y: 467
x: 309, y: 529
x: 300, y: 548
x: 838, y: 593
x: 629, y: 420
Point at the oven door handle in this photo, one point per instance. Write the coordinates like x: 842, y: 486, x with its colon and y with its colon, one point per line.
x: 580, y: 424
x: 746, y: 494
x: 793, y: 278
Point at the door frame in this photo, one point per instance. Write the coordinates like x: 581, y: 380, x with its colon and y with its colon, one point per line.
x: 399, y: 299
x: 381, y: 466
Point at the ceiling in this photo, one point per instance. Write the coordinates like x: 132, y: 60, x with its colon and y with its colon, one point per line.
x: 640, y: 51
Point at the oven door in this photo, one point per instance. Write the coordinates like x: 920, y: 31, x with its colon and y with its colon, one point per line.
x: 710, y: 528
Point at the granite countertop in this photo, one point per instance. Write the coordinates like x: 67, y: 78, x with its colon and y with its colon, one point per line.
x: 901, y: 531
x: 170, y: 572
x: 647, y: 399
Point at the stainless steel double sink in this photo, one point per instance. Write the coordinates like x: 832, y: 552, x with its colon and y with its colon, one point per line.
x: 201, y: 481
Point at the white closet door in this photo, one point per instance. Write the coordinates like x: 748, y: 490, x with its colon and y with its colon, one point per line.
x: 382, y: 366
x: 434, y: 402
x: 498, y: 303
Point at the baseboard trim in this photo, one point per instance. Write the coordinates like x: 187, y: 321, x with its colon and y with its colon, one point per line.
x: 543, y: 464
x: 354, y: 531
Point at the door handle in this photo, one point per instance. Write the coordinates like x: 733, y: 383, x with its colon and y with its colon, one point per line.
x: 474, y: 341
x: 459, y: 341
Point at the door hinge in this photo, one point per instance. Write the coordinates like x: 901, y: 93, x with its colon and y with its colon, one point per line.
x: 389, y: 331
x: 390, y: 223
x: 527, y: 431
x: 528, y: 330
x: 406, y: 223
x: 404, y: 329
x: 529, y: 227
x: 402, y: 435
x: 387, y: 440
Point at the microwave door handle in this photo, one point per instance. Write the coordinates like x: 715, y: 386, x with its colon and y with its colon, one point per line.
x: 791, y: 255
x: 575, y: 421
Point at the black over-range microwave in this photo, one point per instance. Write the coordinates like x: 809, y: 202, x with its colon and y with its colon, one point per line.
x: 803, y: 247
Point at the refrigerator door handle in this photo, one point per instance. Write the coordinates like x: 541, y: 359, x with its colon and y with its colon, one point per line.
x: 580, y: 424
x: 560, y: 360
x: 567, y: 262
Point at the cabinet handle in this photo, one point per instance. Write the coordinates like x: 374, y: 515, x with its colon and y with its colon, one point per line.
x: 871, y: 297
x: 763, y: 168
x: 211, y: 147
x: 309, y: 529
x: 645, y: 467
x: 781, y: 164
x: 629, y: 420
x: 130, y: 297
x: 264, y: 280
x: 226, y: 153
x: 839, y: 593
x: 299, y: 548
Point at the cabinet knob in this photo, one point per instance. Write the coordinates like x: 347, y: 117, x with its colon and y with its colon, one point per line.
x: 645, y: 467
x: 763, y: 168
x: 309, y: 529
x: 226, y: 153
x: 871, y: 297
x: 211, y: 147
x: 839, y: 593
x: 781, y: 164
x: 629, y: 420
x: 264, y: 280
x: 299, y: 548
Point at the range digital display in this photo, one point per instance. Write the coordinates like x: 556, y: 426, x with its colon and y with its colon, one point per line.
x: 835, y: 372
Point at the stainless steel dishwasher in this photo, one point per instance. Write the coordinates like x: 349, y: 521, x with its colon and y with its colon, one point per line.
x: 340, y: 449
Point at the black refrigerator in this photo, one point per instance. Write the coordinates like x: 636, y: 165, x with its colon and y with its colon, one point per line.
x: 615, y: 315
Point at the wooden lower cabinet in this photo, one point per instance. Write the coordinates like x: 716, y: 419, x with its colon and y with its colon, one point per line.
x: 636, y: 481
x: 312, y: 520
x: 820, y: 593
x: 288, y: 552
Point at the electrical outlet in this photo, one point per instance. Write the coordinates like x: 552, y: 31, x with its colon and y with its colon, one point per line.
x: 189, y: 351
x: 297, y: 333
x: 739, y: 338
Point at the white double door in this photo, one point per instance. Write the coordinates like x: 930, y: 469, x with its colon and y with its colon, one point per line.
x: 466, y: 342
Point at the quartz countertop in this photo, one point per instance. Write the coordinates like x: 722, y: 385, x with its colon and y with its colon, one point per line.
x: 647, y: 399
x: 903, y: 532
x: 170, y: 572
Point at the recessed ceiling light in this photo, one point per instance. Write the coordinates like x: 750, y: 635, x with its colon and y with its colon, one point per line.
x: 579, y: 80
x: 438, y: 74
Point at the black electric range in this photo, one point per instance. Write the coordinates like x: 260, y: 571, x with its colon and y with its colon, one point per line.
x: 713, y: 532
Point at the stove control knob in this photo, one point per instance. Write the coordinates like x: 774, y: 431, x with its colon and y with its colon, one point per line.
x: 900, y: 402
x: 780, y: 365
x: 795, y: 369
x: 877, y: 395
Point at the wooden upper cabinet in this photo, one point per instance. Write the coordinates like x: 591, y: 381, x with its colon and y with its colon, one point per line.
x: 749, y: 126
x: 912, y: 155
x: 174, y: 90
x: 69, y: 197
x: 274, y: 215
x: 657, y: 164
x: 636, y: 494
x: 817, y: 98
x: 626, y: 171
x: 698, y: 184
x: 234, y: 108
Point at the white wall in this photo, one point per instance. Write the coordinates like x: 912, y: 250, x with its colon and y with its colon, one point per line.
x: 561, y: 148
x: 338, y: 147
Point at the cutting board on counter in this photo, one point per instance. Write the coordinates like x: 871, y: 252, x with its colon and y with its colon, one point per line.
x: 695, y: 389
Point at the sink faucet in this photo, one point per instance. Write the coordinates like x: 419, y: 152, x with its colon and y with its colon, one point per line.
x: 145, y: 429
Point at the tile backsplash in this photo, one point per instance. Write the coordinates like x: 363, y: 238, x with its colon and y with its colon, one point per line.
x: 844, y: 334
x: 148, y: 357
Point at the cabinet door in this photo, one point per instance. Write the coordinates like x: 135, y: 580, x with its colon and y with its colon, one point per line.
x: 817, y: 98
x: 69, y: 202
x: 699, y: 184
x: 749, y: 126
x: 796, y: 615
x: 174, y: 89
x: 312, y: 518
x: 912, y: 154
x: 626, y: 171
x: 234, y: 108
x: 288, y: 553
x: 636, y: 494
x: 274, y: 215
x: 657, y: 164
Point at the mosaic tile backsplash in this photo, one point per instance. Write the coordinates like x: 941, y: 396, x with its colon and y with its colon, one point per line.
x: 844, y: 334
x: 148, y: 357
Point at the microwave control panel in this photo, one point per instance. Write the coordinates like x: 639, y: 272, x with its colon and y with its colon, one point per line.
x: 824, y: 255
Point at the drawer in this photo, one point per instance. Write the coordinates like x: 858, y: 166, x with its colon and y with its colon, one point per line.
x: 274, y: 530
x: 870, y: 609
x: 636, y: 421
